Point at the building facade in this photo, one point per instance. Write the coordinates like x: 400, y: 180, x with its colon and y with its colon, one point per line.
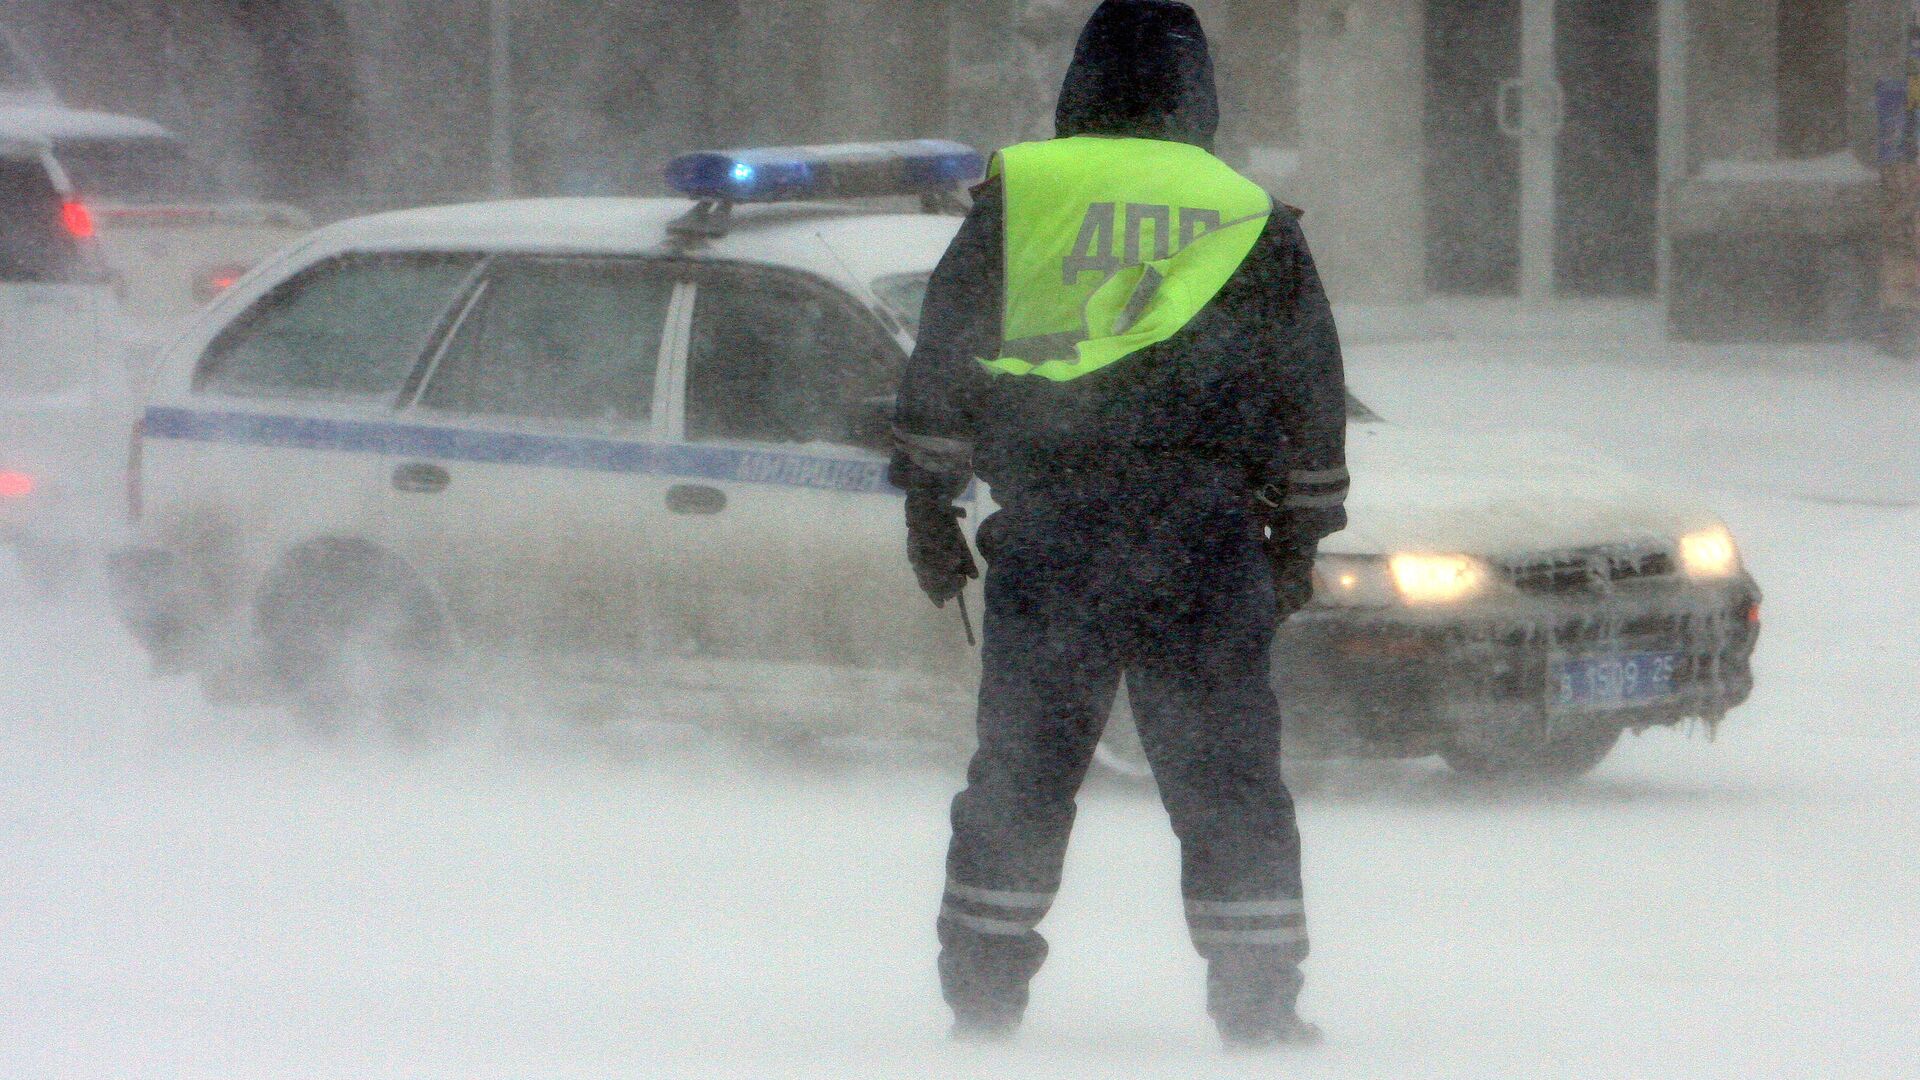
x: 1481, y: 147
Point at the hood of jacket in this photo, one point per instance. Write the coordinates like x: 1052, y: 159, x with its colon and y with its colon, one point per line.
x: 1141, y: 70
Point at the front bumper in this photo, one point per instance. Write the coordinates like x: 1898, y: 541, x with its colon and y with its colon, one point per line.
x: 1405, y: 683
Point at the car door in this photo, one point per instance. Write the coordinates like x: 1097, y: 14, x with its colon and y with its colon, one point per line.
x: 275, y: 438
x: 525, y: 476
x: 787, y: 539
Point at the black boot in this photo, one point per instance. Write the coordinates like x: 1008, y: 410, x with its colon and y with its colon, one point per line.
x: 1251, y: 994
x: 984, y: 1028
x: 1254, y: 1034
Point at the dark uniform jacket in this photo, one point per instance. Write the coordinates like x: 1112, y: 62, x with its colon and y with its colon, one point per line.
x: 1251, y: 389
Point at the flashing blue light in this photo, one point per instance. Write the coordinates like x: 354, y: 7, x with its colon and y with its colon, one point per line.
x: 845, y: 171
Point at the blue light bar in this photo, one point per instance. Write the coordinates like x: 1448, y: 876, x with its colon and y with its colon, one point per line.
x: 844, y: 171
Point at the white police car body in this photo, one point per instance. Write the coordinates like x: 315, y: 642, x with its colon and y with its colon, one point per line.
x: 614, y: 439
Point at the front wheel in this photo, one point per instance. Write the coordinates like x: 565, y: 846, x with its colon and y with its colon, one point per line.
x: 1567, y: 753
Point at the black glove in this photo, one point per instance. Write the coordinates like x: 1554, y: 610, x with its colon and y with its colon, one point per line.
x: 1292, y: 563
x: 937, y: 548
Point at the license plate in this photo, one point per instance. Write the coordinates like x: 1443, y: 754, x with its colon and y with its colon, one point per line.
x: 1614, y: 681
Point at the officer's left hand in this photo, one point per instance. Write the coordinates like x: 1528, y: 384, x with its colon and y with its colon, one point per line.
x: 938, y: 549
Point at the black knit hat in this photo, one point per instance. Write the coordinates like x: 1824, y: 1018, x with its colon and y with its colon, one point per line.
x: 1141, y: 69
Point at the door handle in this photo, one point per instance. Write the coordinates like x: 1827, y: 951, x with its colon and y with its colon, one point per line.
x: 695, y: 499
x: 421, y: 478
x: 1510, y: 108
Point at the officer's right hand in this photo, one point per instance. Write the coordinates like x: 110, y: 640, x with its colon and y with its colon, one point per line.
x: 938, y: 549
x: 1292, y: 565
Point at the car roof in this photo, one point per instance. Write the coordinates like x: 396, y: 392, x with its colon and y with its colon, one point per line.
x: 830, y: 239
x: 58, y: 122
x: 21, y: 143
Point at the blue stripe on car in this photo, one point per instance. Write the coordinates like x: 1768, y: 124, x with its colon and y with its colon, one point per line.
x: 821, y: 472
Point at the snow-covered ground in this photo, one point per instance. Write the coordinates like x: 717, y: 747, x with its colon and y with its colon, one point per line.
x: 189, y: 895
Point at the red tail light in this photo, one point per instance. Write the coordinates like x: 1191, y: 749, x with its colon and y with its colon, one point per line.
x: 15, y: 485
x: 78, y: 219
x: 217, y: 280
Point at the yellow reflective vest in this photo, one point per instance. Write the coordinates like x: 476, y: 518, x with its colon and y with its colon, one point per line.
x: 1113, y: 245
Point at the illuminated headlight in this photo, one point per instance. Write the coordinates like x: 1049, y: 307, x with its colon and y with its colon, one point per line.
x: 1352, y: 581
x: 1710, y: 553
x: 1437, y: 579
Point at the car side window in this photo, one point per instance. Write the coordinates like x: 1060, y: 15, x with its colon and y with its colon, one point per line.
x: 34, y: 246
x: 775, y: 359
x: 348, y: 330
x: 558, y: 339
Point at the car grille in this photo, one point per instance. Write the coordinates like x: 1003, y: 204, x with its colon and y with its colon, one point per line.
x: 1589, y: 571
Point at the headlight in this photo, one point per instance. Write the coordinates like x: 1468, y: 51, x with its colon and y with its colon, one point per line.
x: 1437, y: 579
x: 1710, y: 553
x: 1352, y: 581
x: 1374, y: 581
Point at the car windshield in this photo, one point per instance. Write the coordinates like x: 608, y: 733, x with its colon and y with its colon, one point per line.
x: 906, y: 293
x: 138, y: 171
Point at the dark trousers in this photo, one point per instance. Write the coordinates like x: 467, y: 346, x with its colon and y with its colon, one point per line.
x: 1180, y: 603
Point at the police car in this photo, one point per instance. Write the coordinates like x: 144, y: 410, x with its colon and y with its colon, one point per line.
x: 637, y: 449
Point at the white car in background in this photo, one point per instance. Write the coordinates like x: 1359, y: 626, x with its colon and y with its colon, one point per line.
x: 170, y: 238
x: 637, y: 447
x: 65, y: 401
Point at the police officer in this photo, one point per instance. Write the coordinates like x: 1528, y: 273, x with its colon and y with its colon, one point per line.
x: 1129, y: 343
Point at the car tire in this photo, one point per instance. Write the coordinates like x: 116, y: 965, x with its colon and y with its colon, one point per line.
x: 1569, y: 753
x: 352, y: 639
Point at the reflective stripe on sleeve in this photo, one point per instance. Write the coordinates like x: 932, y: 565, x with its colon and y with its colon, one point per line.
x: 980, y: 924
x: 1000, y: 897
x: 1315, y: 502
x: 1283, y: 935
x: 1318, y: 477
x: 935, y: 453
x: 1245, y: 909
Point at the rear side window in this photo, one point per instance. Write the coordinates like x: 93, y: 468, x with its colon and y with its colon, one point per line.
x: 34, y: 245
x: 558, y: 340
x: 350, y: 330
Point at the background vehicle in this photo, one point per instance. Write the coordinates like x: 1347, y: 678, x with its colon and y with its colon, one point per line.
x: 64, y: 399
x: 170, y: 237
x: 638, y: 444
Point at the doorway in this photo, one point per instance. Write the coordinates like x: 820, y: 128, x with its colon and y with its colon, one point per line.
x: 1541, y: 132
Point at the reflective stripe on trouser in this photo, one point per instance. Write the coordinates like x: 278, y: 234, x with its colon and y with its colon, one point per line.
x: 1190, y: 625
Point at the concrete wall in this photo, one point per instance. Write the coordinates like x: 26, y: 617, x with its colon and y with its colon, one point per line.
x: 1361, y: 139
x: 1732, y: 99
